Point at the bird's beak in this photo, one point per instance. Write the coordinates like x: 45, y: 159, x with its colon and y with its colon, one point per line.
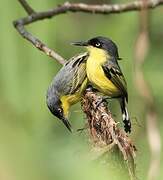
x: 67, y: 124
x: 80, y: 43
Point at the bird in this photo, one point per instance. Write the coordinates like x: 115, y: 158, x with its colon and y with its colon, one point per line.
x: 67, y: 87
x: 104, y: 72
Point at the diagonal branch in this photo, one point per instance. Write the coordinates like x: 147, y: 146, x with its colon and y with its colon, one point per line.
x: 37, y: 43
x: 26, y: 6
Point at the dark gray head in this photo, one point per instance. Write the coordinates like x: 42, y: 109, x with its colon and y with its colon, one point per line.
x: 55, y: 106
x: 102, y: 43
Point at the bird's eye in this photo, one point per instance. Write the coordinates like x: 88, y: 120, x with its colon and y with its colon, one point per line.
x: 59, y: 110
x: 97, y: 44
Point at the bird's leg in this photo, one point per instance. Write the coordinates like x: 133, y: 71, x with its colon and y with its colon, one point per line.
x: 82, y: 129
x: 102, y: 100
x: 91, y: 88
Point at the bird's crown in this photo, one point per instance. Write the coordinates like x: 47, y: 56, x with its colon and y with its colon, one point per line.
x: 105, y: 44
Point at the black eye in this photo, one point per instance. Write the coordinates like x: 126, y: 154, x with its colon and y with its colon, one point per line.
x: 97, y: 44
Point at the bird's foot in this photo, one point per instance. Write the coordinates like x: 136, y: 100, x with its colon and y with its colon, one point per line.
x: 91, y: 88
x: 102, y: 100
x: 82, y: 129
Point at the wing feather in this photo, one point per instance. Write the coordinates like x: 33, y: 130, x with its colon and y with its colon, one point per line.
x: 71, y: 75
x: 114, y: 74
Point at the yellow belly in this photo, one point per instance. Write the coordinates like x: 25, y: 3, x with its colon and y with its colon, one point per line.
x: 97, y: 77
x: 68, y: 100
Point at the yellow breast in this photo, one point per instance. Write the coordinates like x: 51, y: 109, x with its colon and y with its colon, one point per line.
x: 68, y: 100
x: 95, y: 73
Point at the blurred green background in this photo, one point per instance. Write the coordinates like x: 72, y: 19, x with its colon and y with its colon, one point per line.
x: 33, y: 143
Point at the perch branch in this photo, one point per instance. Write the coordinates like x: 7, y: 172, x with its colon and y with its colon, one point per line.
x: 72, y: 7
x: 104, y: 131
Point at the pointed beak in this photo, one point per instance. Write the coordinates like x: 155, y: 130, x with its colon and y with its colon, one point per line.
x: 67, y: 124
x: 80, y: 43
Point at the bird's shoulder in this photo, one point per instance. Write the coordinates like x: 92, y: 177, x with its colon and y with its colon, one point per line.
x: 76, y: 60
x: 113, y: 72
x: 71, y: 75
x: 111, y: 67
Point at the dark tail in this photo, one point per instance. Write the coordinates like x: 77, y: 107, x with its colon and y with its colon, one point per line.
x: 125, y: 116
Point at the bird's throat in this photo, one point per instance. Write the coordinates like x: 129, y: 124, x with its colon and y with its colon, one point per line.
x: 97, y: 56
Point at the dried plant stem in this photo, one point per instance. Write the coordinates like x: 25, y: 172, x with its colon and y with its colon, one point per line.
x: 104, y: 131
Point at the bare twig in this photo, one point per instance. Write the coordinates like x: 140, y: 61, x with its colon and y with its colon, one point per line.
x: 153, y: 134
x: 26, y: 6
x: 87, y: 8
x: 71, y: 7
x: 37, y: 43
x: 104, y: 130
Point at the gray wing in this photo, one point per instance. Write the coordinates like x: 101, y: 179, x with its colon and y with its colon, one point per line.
x: 114, y: 74
x: 71, y: 75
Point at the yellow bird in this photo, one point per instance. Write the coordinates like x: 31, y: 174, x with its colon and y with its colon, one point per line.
x: 104, y: 73
x: 67, y: 87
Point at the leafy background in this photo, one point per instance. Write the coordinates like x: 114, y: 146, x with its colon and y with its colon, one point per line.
x: 33, y: 143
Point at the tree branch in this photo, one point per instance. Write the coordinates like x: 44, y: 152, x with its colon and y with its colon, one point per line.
x: 71, y: 7
x: 87, y: 8
x: 37, y: 43
x: 26, y: 6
